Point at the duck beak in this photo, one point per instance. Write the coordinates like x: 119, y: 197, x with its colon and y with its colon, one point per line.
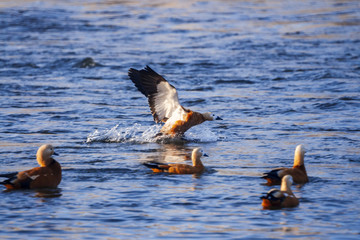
x: 205, y: 155
x: 55, y: 154
x: 218, y: 118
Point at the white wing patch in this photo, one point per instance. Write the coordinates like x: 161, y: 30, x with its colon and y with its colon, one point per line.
x: 280, y: 173
x: 275, y: 192
x: 34, y: 177
x: 178, y: 114
x: 166, y: 100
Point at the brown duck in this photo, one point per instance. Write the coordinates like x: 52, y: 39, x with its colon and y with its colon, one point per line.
x: 298, y: 171
x: 283, y: 198
x: 48, y: 175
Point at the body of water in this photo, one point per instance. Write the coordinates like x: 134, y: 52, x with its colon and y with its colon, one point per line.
x: 280, y: 73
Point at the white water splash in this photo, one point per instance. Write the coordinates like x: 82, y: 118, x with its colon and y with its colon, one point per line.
x: 143, y: 134
x: 135, y: 133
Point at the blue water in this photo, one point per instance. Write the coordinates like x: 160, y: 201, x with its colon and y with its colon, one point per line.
x: 280, y: 73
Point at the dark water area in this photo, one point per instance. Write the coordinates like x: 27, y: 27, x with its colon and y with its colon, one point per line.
x: 279, y: 73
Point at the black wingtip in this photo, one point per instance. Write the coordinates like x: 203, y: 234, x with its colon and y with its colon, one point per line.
x: 149, y: 69
x: 133, y: 73
x: 131, y: 70
x: 135, y: 77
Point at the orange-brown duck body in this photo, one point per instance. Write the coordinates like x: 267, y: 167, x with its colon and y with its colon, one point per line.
x: 164, y: 103
x: 283, y: 198
x: 48, y: 175
x: 178, y: 168
x: 298, y: 171
x: 179, y: 127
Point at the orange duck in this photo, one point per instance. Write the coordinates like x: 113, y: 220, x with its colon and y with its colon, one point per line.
x: 298, y: 171
x: 283, y: 198
x: 48, y: 175
x: 178, y: 168
x: 164, y: 103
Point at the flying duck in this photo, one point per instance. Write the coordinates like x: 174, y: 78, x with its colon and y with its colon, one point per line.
x: 298, y: 171
x: 179, y: 168
x: 283, y: 198
x: 48, y: 175
x: 164, y: 103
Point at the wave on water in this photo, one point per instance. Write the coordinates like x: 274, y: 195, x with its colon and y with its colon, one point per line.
x: 146, y: 134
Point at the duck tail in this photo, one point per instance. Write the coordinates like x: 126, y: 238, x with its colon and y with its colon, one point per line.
x: 152, y: 165
x: 272, y: 174
x: 272, y: 177
x: 10, y: 177
x: 156, y: 166
x: 8, y: 183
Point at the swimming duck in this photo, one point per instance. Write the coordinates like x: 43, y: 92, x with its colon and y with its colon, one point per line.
x: 48, y: 175
x: 298, y: 171
x: 179, y: 168
x: 164, y: 103
x: 283, y: 198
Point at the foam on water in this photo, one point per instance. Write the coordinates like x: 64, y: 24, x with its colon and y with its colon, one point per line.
x: 134, y: 133
x: 138, y: 133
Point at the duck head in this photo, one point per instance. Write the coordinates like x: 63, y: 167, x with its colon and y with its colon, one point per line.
x: 43, y: 155
x: 211, y: 117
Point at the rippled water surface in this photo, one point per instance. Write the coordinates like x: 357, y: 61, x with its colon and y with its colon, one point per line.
x: 280, y: 73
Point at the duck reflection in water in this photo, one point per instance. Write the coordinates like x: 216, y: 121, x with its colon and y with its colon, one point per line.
x: 48, y: 192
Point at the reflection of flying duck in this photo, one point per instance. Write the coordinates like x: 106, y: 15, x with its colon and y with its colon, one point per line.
x: 170, y: 153
x: 298, y: 171
x: 282, y: 198
x: 48, y: 175
x: 179, y: 168
x: 164, y: 103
